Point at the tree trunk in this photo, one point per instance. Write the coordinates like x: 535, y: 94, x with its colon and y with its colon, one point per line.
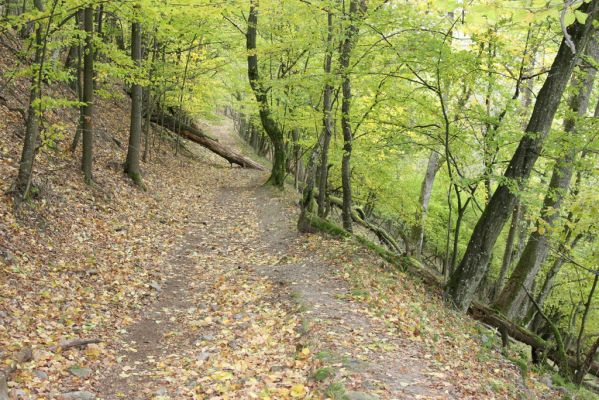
x: 458, y: 226
x: 79, y: 86
x: 327, y: 119
x: 195, y: 134
x: 295, y: 135
x: 357, y: 8
x: 132, y: 163
x: 425, y: 195
x: 537, y: 247
x: 32, y: 125
x: 277, y: 176
x: 585, y: 316
x: 509, y: 249
x: 588, y: 362
x: 307, y: 219
x: 88, y: 93
x: 466, y: 279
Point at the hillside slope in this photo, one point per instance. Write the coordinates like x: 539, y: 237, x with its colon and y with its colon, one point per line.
x: 200, y: 288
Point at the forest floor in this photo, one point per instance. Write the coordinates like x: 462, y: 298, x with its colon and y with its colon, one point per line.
x: 202, y: 288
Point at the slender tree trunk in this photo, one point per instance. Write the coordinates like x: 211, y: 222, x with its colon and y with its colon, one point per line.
x: 585, y: 316
x: 509, y: 249
x: 100, y: 21
x: 548, y: 283
x: 458, y: 226
x: 446, y: 269
x: 88, y: 93
x: 72, y: 55
x: 26, y: 28
x: 304, y: 223
x: 132, y: 167
x: 275, y: 134
x: 33, y: 115
x: 586, y: 365
x: 426, y: 189
x: 295, y: 134
x: 357, y: 8
x: 79, y: 85
x: 327, y: 119
x: 146, y: 125
x: 466, y: 279
x: 537, y: 247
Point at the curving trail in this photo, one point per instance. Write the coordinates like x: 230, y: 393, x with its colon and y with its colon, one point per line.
x: 252, y: 310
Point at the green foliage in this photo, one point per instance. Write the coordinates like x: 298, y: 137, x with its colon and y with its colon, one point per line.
x: 322, y: 374
x: 446, y: 76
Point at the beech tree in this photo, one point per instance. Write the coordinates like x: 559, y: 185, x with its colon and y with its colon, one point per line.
x: 277, y: 176
x: 132, y: 167
x: 357, y: 8
x: 32, y: 126
x: 87, y: 113
x: 466, y: 279
x: 537, y: 247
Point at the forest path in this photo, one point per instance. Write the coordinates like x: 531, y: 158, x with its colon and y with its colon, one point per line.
x: 250, y: 311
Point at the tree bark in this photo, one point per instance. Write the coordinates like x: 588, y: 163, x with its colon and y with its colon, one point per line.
x: 426, y: 189
x: 467, y: 277
x: 88, y: 93
x: 79, y: 85
x: 133, y: 150
x: 275, y: 134
x: 509, y: 249
x: 587, y: 364
x: 357, y: 8
x: 327, y: 119
x: 537, y: 247
x: 585, y: 316
x: 32, y: 124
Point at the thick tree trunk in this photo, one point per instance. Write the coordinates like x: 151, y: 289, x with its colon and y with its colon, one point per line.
x: 327, y: 120
x: 88, y: 93
x: 277, y: 176
x: 466, y: 279
x: 426, y: 189
x: 357, y: 8
x: 133, y: 150
x: 195, y: 134
x: 537, y: 247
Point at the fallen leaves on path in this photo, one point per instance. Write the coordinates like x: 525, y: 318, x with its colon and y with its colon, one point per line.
x: 190, y: 264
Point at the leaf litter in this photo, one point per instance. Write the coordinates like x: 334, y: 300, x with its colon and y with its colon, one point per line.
x: 200, y: 288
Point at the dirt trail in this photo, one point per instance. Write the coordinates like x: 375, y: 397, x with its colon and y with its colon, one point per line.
x: 234, y: 319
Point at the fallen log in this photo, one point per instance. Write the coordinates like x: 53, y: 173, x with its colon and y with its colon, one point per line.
x: 195, y: 134
x: 380, y: 233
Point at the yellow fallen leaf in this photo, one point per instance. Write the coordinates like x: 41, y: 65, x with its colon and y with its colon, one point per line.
x: 297, y: 390
x: 222, y: 376
x: 93, y: 351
